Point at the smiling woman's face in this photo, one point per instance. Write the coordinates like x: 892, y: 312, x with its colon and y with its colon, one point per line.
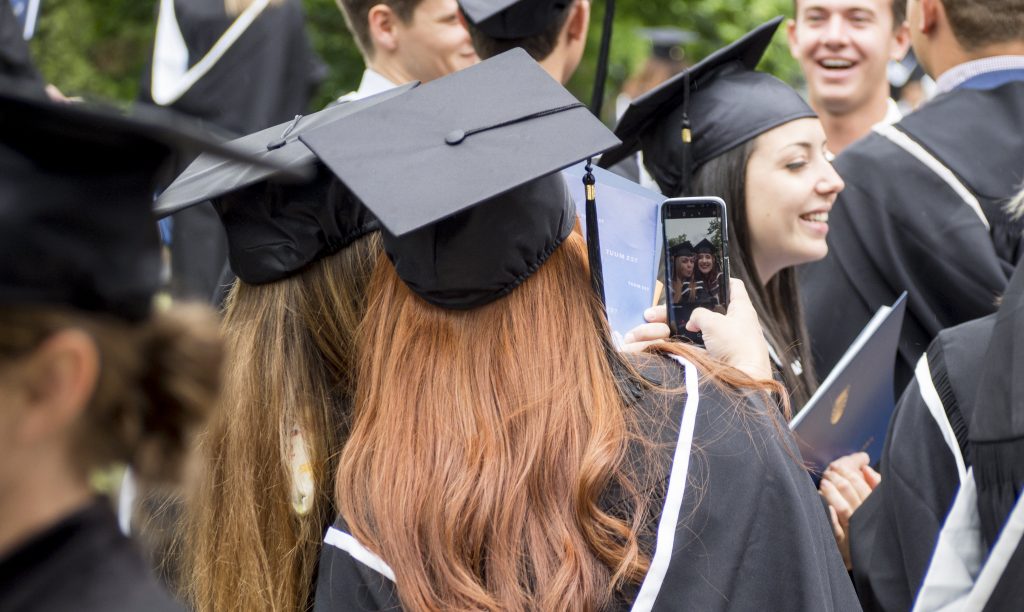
x: 790, y: 189
x: 705, y: 261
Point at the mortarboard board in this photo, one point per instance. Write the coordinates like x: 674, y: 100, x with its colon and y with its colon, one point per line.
x: 706, y: 110
x: 274, y: 228
x: 211, y: 176
x: 460, y: 173
x: 667, y: 42
x: 76, y: 192
x: 512, y: 19
x: 704, y: 246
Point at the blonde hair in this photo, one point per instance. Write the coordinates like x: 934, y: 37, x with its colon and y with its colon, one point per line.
x: 292, y: 361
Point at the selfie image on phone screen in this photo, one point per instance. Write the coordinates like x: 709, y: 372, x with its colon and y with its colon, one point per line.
x: 696, y: 265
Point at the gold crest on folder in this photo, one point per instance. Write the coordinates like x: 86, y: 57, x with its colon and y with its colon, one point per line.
x: 839, y: 407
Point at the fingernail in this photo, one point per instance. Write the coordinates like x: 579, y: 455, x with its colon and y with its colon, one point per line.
x: 649, y: 313
x: 629, y: 338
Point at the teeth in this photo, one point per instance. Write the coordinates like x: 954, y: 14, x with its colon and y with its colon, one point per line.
x: 836, y: 63
x: 818, y: 217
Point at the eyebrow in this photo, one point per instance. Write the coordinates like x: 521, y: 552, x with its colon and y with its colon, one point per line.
x: 803, y: 145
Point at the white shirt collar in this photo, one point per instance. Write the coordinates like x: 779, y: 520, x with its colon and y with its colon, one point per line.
x: 957, y: 75
x: 892, y: 113
x: 371, y: 84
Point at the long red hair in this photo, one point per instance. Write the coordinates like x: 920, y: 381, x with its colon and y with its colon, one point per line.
x: 482, y: 441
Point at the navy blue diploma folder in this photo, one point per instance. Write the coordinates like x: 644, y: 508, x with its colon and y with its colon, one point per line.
x: 851, y: 410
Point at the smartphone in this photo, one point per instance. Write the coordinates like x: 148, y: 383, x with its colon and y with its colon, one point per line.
x: 696, y: 260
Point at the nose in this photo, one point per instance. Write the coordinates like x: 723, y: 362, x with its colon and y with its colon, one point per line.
x: 835, y: 34
x: 830, y: 183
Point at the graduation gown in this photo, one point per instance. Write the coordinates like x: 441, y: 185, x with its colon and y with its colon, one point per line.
x: 81, y: 564
x: 740, y: 525
x: 939, y: 529
x: 924, y: 460
x: 265, y: 77
x: 921, y: 212
x: 15, y: 59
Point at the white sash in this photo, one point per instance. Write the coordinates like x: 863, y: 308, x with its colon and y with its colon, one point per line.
x: 668, y: 524
x: 959, y: 576
x: 171, y: 75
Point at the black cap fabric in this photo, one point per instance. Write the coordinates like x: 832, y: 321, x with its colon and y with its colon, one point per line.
x: 211, y: 176
x: 513, y: 19
x: 276, y: 228
x: 456, y: 145
x: 76, y: 192
x: 728, y: 104
x: 683, y: 248
x: 704, y: 246
x: 667, y: 42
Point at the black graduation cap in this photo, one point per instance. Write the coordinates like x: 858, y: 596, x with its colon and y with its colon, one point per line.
x: 512, y: 19
x: 683, y: 248
x: 704, y: 246
x: 459, y: 172
x: 706, y: 110
x: 76, y: 192
x: 276, y: 228
x: 211, y: 176
x: 667, y: 42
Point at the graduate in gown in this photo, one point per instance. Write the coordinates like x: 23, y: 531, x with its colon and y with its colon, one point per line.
x: 15, y: 59
x: 922, y: 210
x: 723, y: 129
x: 90, y: 376
x: 303, y: 253
x: 239, y: 66
x: 955, y: 433
x: 502, y: 455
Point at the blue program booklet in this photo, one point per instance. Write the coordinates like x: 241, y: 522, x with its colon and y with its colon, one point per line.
x: 851, y: 410
x: 630, y: 243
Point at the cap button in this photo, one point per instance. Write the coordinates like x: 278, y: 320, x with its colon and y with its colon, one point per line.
x: 454, y: 137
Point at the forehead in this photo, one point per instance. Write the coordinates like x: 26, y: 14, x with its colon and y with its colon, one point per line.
x: 797, y: 132
x: 842, y: 6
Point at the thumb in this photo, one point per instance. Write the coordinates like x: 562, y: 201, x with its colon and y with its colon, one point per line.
x: 699, y: 319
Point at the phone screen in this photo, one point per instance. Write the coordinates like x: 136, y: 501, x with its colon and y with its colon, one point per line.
x: 696, y: 269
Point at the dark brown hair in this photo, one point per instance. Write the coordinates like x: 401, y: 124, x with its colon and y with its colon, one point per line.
x: 777, y: 302
x: 357, y: 14
x: 899, y: 12
x: 539, y: 46
x: 978, y: 23
x: 157, y: 382
x: 292, y: 350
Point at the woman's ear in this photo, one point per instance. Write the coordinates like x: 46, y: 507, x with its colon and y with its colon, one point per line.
x: 57, y: 381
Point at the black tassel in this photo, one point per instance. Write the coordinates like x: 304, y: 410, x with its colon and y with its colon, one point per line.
x: 593, y: 234
x: 686, y: 138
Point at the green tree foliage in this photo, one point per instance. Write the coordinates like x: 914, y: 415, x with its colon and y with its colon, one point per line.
x: 99, y: 48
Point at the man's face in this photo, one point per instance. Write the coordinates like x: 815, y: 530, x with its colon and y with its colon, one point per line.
x: 434, y: 43
x: 843, y: 47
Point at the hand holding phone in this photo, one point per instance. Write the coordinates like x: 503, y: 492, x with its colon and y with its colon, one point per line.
x: 696, y: 271
x: 735, y: 337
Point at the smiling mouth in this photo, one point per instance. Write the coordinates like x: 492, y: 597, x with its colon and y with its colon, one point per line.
x: 816, y: 217
x: 836, y: 64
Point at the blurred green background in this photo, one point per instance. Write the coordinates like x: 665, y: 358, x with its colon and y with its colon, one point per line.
x: 98, y: 48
